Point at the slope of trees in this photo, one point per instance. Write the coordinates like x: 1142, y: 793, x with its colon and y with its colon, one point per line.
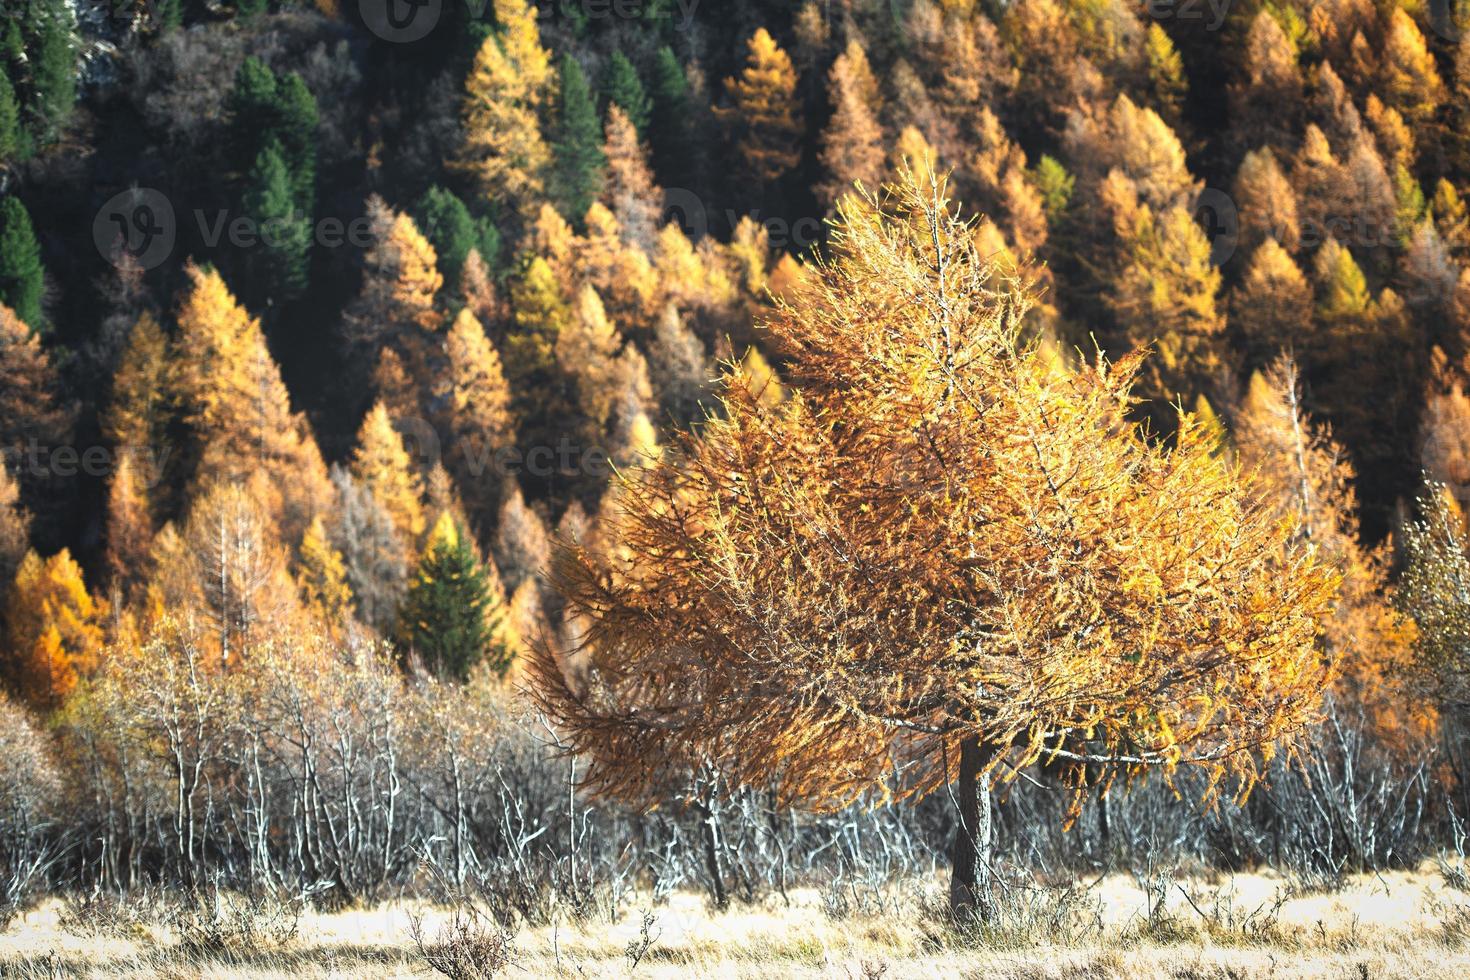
x: 296, y: 444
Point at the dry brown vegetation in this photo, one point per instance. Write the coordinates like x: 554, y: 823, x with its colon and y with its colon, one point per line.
x: 1397, y: 924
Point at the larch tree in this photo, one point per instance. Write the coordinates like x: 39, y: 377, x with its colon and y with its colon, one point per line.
x: 382, y: 465
x: 1410, y: 81
x: 1265, y: 203
x: 942, y: 560
x: 1395, y: 139
x: 33, y: 420
x: 480, y: 423
x: 1002, y: 190
x: 1450, y: 216
x: 1306, y: 476
x: 1267, y: 102
x: 400, y: 283
x: 538, y: 315
x: 682, y: 372
x: 231, y: 572
x: 1166, y: 80
x: 478, y: 291
x: 852, y: 144
x: 1165, y: 297
x: 53, y: 630
x: 763, y: 115
x: 522, y: 544
x: 587, y: 353
x: 237, y: 409
x: 15, y: 526
x: 373, y: 551
x: 628, y: 190
x: 1457, y: 142
x: 1273, y: 307
x: 505, y: 97
x: 321, y: 577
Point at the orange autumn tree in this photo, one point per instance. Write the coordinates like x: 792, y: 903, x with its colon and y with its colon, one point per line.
x: 942, y: 557
x: 54, y: 633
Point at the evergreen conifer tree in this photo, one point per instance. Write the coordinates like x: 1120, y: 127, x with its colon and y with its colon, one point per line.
x: 448, y: 618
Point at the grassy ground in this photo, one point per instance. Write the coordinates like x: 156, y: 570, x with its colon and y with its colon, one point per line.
x: 1398, y: 925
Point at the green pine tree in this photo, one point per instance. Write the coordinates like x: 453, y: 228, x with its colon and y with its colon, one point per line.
x: 265, y: 108
x: 170, y: 15
x: 21, y: 275
x: 11, y: 137
x: 625, y: 90
x: 296, y: 128
x: 670, y: 128
x: 247, y: 9
x: 55, y: 71
x: 449, y: 227
x: 578, y: 161
x: 449, y: 617
x: 285, y: 230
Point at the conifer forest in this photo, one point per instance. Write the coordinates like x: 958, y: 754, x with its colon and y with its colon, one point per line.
x: 740, y: 488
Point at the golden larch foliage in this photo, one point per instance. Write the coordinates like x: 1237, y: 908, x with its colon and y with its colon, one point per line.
x: 852, y: 144
x: 764, y: 113
x: 232, y: 397
x: 418, y: 280
x: 628, y: 189
x: 1300, y: 472
x: 938, y: 542
x: 321, y: 577
x: 53, y: 635
x: 505, y: 95
x: 382, y: 465
x: 480, y: 422
x: 15, y: 527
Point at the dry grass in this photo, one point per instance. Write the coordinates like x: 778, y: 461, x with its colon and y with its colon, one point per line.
x: 1397, y: 925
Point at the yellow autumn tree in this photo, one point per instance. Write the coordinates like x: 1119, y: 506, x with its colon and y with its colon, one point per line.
x: 228, y: 572
x: 763, y: 115
x: 53, y: 635
x: 852, y: 144
x: 942, y: 558
x: 15, y: 526
x: 480, y: 423
x: 628, y: 190
x: 321, y: 575
x: 136, y: 423
x: 381, y: 464
x: 237, y: 408
x: 395, y: 311
x: 505, y: 95
x: 1303, y: 474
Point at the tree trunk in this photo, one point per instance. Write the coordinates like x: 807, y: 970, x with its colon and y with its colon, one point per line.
x: 972, y: 875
